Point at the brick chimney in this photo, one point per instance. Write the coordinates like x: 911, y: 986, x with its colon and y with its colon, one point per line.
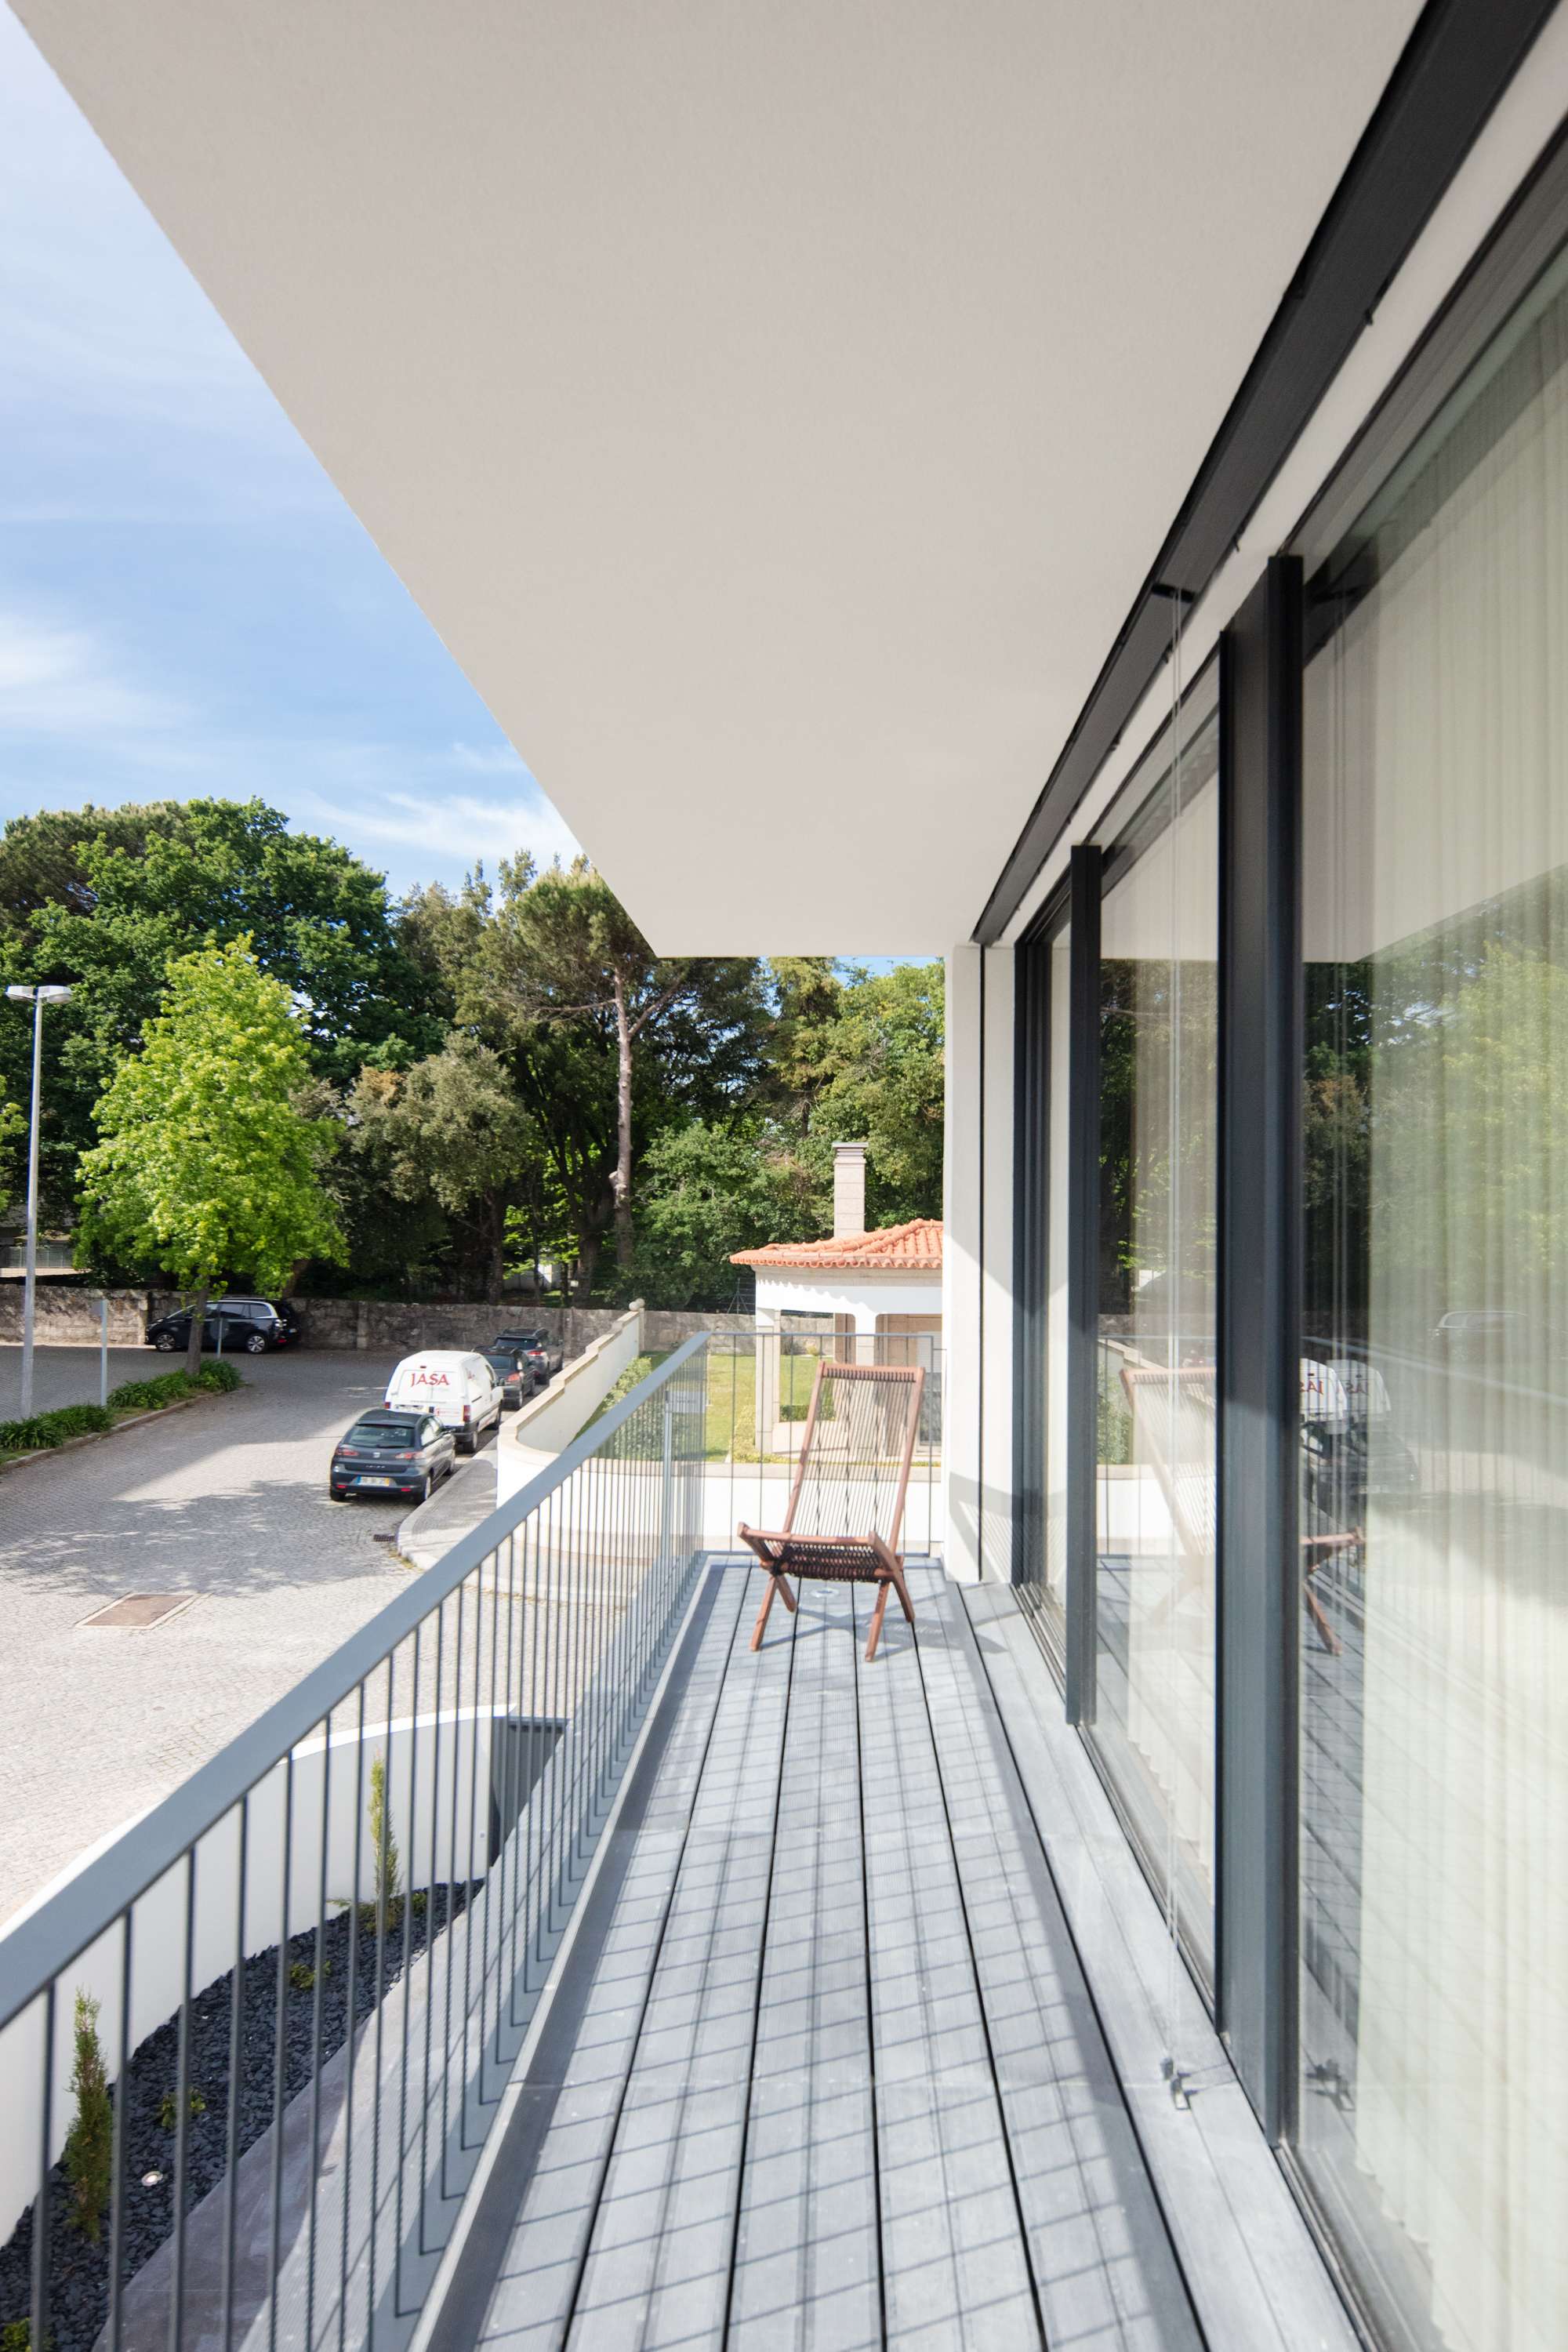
x: 848, y: 1189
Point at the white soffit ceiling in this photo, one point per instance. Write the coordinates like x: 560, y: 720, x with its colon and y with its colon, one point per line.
x: 775, y: 404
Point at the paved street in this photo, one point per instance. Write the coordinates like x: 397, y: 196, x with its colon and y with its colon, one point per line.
x: 226, y: 1499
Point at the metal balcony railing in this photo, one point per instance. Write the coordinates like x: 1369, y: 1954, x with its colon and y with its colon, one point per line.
x: 253, y: 2049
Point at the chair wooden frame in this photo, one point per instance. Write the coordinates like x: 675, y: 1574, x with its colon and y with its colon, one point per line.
x: 872, y: 1559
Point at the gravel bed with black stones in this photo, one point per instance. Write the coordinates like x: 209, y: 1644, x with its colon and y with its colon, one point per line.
x: 78, y: 2268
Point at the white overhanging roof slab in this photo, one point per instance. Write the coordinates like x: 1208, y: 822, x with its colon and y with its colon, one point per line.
x: 776, y: 408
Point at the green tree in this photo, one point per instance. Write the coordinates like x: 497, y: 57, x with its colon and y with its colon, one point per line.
x: 605, y: 1045
x: 580, y: 958
x: 706, y: 1191
x: 451, y: 1130
x: 207, y: 1168
x: 105, y: 899
x: 13, y: 1127
x: 864, y: 1064
x: 90, y: 2143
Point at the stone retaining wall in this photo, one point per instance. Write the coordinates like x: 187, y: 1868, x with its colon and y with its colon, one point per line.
x: 67, y: 1316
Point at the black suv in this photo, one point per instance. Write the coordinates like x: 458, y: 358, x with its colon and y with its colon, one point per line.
x: 248, y: 1325
x: 537, y: 1346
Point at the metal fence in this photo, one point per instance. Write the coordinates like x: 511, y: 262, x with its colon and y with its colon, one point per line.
x: 252, y: 2050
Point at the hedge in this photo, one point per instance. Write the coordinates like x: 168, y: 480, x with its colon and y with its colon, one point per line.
x: 45, y: 1429
x: 50, y: 1429
x: 168, y: 1388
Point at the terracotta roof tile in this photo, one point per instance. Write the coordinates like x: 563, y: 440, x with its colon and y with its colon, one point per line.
x: 914, y: 1248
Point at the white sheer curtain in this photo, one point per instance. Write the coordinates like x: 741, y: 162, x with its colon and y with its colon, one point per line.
x: 1436, y: 842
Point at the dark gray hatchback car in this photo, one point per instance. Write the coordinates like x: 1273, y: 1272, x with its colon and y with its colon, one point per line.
x: 391, y: 1453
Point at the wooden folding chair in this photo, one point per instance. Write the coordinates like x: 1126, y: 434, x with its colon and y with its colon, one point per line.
x: 846, y: 1507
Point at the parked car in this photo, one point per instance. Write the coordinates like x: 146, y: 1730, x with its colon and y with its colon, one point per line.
x: 517, y: 1373
x: 1470, y: 1334
x: 253, y: 1325
x: 391, y: 1454
x: 460, y: 1390
x: 538, y: 1346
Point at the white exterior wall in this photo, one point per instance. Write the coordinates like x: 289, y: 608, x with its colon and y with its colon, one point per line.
x: 863, y: 1297
x: 977, y: 1264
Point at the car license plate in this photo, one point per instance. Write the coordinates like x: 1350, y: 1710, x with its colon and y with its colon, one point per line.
x: 375, y: 1482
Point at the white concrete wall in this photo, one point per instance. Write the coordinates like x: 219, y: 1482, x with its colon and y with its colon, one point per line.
x: 328, y: 1800
x: 977, y: 1263
x: 547, y: 1424
x: 862, y: 1295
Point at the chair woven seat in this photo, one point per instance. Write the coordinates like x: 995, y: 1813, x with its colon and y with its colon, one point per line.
x: 849, y: 1487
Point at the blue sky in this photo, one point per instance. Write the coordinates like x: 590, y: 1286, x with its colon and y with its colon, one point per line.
x: 186, y: 606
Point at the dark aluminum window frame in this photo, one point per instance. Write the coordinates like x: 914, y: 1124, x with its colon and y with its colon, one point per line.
x: 1261, y: 658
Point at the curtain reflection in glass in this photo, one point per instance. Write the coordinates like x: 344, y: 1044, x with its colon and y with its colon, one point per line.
x: 1434, y: 2109
x: 1156, y: 1352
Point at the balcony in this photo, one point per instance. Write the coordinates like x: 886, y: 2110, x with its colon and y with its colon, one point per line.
x: 700, y: 1996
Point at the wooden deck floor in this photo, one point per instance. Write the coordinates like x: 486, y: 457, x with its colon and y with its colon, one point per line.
x: 824, y: 2072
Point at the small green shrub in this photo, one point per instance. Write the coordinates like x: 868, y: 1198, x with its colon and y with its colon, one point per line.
x: 388, y: 1876
x: 90, y: 2144
x: 302, y: 1976
x: 51, y: 1429
x: 169, y: 2108
x: 17, y: 2336
x: 169, y: 1388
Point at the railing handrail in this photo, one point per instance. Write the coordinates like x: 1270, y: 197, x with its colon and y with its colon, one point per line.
x: 42, y: 1945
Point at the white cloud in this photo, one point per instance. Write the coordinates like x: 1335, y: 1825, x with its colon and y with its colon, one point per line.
x: 451, y: 827
x: 63, y: 682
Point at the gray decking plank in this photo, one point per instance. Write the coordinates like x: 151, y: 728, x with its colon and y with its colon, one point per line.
x: 530, y: 2310
x: 1107, y: 2278
x: 657, y: 2273
x: 955, y: 2263
x: 806, y: 2268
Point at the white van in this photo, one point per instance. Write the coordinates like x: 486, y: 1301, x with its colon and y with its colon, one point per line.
x: 454, y: 1387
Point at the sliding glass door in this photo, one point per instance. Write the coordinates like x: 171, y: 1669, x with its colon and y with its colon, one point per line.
x: 1433, y: 2101
x: 1154, y: 1720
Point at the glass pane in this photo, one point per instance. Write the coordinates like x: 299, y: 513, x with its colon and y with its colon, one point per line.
x: 1155, y: 1482
x: 1434, y: 1899
x: 1058, y: 1003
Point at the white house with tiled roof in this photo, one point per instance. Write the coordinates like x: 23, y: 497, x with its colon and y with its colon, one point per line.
x: 879, y: 1291
x: 868, y: 1283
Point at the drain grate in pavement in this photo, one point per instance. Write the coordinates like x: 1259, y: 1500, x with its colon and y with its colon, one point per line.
x: 138, y: 1611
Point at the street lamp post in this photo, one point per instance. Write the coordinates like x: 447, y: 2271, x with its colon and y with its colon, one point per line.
x: 37, y: 998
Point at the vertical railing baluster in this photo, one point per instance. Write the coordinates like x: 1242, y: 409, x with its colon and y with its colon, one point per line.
x: 351, y: 1995
x: 280, y: 2052
x: 40, y: 2311
x: 236, y: 2048
x: 409, y: 1890
x: 471, y: 1903
x: 452, y: 1888
x: 114, y: 2326
x: 317, y: 1997
x: 383, y: 1902
x: 430, y: 1925
x: 183, y: 2114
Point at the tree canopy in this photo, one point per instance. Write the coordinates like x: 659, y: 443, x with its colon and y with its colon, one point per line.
x: 207, y: 1169
x: 506, y: 1072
